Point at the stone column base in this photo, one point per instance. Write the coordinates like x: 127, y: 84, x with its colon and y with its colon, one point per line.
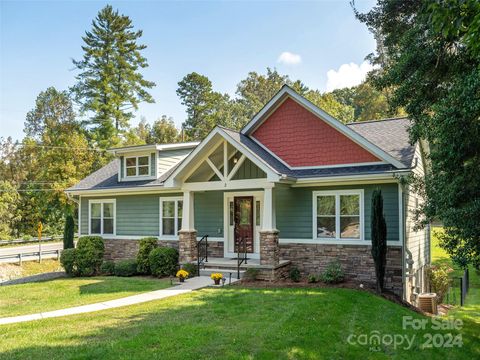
x: 269, y: 250
x: 187, y: 246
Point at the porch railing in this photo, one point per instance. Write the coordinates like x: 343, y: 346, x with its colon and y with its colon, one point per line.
x: 202, y: 252
x: 241, y: 256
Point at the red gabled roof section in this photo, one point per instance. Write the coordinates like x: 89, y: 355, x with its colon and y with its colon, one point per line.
x: 301, y: 138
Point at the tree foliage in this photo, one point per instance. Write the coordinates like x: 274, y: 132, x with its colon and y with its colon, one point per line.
x: 430, y: 58
x: 110, y: 84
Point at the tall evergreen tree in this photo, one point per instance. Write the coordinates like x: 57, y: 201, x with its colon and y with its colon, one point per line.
x: 204, y: 105
x: 110, y: 84
x: 379, y: 238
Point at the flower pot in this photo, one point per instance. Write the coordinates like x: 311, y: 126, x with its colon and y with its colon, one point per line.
x: 217, y: 281
x: 182, y: 279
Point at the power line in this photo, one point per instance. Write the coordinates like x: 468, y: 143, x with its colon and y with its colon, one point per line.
x: 58, y: 147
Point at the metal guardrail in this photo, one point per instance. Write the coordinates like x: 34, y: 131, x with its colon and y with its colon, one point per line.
x: 32, y: 240
x: 22, y: 255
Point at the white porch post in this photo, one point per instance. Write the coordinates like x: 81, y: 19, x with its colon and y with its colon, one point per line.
x: 188, y: 212
x: 187, y: 236
x: 269, y: 249
x: 269, y: 221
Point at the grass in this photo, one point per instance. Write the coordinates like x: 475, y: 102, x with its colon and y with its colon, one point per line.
x: 230, y: 323
x: 61, y: 293
x: 471, y: 310
x: 241, y: 323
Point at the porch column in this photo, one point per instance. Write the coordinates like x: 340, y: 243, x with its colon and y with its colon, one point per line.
x: 269, y: 250
x: 187, y: 236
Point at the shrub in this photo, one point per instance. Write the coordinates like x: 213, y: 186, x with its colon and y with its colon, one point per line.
x: 67, y: 259
x: 439, y: 280
x: 145, y: 247
x: 107, y: 268
x: 333, y: 273
x: 89, y: 255
x: 294, y: 274
x: 68, y: 231
x: 191, y: 269
x: 163, y: 261
x: 312, y: 278
x: 251, y: 274
x: 126, y: 268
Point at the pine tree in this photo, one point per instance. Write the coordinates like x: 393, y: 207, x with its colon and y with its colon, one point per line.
x: 379, y: 238
x: 110, y: 85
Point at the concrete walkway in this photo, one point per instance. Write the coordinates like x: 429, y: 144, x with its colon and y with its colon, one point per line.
x: 188, y: 286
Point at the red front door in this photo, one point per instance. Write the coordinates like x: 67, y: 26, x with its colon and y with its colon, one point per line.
x: 243, y: 229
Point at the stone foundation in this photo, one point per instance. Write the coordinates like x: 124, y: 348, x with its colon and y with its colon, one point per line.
x: 269, y: 250
x: 116, y: 249
x: 356, y: 261
x: 215, y: 249
x: 187, y: 246
x: 273, y: 274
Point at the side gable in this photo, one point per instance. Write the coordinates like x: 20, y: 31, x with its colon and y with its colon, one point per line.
x: 298, y: 133
x: 302, y: 139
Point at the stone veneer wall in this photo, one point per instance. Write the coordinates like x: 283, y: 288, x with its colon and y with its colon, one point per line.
x: 356, y: 261
x: 215, y: 249
x: 116, y: 249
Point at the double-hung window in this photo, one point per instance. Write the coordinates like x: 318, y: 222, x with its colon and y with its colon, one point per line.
x: 171, y: 210
x: 137, y: 166
x: 338, y: 215
x: 102, y: 217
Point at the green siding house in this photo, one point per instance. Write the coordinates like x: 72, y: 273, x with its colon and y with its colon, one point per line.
x: 292, y: 188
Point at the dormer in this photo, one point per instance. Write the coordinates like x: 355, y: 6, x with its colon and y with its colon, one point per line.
x: 149, y: 162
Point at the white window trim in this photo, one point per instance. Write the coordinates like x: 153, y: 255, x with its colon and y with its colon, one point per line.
x: 137, y: 166
x: 161, y: 200
x: 337, y: 193
x: 102, y: 201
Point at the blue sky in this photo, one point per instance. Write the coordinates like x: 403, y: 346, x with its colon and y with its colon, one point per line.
x: 222, y: 40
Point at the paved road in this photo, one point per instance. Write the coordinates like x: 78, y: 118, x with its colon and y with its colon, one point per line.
x: 29, y: 249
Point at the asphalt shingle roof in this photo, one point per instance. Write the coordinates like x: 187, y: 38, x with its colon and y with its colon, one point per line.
x: 389, y: 135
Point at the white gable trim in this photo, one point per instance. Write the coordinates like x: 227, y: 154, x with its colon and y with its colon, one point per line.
x: 271, y: 174
x: 357, y: 138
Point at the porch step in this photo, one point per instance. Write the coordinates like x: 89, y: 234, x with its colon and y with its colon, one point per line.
x: 225, y: 271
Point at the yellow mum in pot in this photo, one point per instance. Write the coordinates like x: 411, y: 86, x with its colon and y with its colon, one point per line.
x: 216, y: 277
x: 182, y: 275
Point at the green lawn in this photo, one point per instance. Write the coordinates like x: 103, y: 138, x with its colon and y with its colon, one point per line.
x: 240, y: 323
x: 61, y: 293
x: 471, y: 310
x: 230, y: 323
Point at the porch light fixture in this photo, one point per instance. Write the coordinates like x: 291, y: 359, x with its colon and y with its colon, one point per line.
x: 235, y: 160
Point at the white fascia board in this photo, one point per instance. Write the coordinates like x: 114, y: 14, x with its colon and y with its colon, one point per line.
x: 124, y: 191
x: 357, y: 138
x: 373, y: 178
x: 272, y: 175
x: 186, y: 145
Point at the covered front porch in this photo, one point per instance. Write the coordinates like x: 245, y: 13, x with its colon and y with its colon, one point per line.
x: 228, y: 198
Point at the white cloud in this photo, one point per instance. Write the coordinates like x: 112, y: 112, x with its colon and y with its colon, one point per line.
x: 347, y: 75
x: 288, y: 58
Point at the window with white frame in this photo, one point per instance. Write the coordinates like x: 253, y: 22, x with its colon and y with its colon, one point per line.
x: 338, y: 215
x: 102, y: 217
x: 171, y: 210
x: 137, y: 166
